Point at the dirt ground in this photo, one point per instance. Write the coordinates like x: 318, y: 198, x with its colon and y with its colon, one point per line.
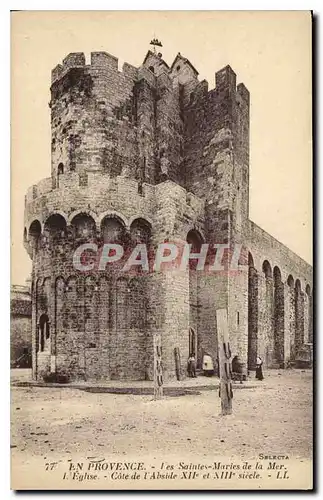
x: 273, y: 417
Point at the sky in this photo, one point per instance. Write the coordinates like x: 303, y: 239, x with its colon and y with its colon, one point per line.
x: 269, y: 51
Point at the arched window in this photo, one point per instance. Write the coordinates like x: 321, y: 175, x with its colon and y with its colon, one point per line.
x: 60, y: 171
x: 195, y: 238
x: 152, y: 69
x: 44, y: 332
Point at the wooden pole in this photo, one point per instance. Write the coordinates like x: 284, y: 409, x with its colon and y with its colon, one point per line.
x: 158, y: 372
x: 178, y: 369
x: 226, y: 393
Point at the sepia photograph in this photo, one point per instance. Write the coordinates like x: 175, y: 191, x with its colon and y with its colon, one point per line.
x: 161, y: 300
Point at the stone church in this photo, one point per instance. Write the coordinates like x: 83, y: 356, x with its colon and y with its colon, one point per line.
x: 149, y: 154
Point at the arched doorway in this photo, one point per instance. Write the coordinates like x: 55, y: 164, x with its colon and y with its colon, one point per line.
x: 44, y: 332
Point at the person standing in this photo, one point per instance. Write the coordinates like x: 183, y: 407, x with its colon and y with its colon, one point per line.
x: 208, y: 367
x: 259, y: 374
x: 237, y: 369
x: 191, y: 367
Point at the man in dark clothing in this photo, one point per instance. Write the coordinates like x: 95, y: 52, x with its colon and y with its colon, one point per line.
x: 191, y: 367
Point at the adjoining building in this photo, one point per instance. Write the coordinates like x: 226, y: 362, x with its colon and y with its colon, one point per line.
x: 20, y: 326
x: 151, y: 155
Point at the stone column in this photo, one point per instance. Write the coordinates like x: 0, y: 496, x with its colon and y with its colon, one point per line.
x: 253, y: 317
x: 279, y: 323
x: 169, y: 318
x: 299, y: 318
x: 266, y: 340
x: 287, y: 321
x: 306, y: 317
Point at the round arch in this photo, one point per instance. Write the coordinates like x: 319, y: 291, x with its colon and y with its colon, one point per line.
x: 112, y: 214
x: 140, y: 231
x: 142, y: 216
x: 81, y: 212
x: 60, y: 278
x: 266, y: 269
x: 112, y: 230
x: 44, y: 332
x: 60, y: 168
x: 290, y: 281
x: 195, y: 238
x: 34, y: 228
x: 55, y: 222
x: 298, y: 285
x: 34, y: 234
x: 84, y: 225
x: 55, y: 212
x: 251, y: 262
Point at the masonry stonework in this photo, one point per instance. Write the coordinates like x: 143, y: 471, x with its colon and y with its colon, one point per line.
x: 144, y: 156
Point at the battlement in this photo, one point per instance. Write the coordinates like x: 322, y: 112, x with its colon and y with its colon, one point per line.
x: 36, y: 190
x: 275, y: 250
x: 87, y: 181
x: 83, y: 181
x: 102, y: 60
x: 148, y: 123
x: 154, y: 67
x: 120, y: 195
x: 244, y: 92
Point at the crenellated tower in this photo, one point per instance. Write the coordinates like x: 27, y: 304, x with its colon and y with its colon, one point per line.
x: 141, y: 155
